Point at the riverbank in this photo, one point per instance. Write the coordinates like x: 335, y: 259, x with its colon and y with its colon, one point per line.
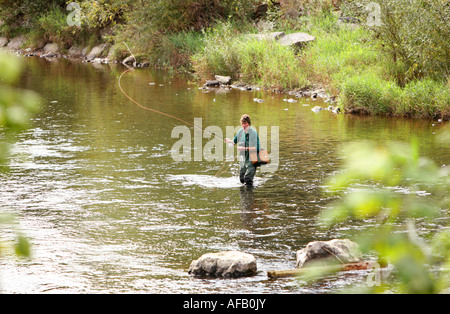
x: 344, y: 63
x: 358, y: 93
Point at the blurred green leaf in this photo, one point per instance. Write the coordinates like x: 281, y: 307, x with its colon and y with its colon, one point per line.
x: 416, y: 279
x: 16, y: 108
x: 361, y: 204
x: 22, y: 246
x: 441, y: 245
x: 382, y: 182
x: 10, y: 66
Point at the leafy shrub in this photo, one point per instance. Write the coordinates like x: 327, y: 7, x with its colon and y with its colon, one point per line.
x: 17, y: 15
x: 413, y: 35
x: 174, y: 51
x: 416, y: 33
x: 185, y: 15
x: 102, y: 13
x: 52, y: 26
x: 16, y: 106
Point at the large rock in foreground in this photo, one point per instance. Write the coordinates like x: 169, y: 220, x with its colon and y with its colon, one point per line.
x: 328, y: 252
x: 229, y: 264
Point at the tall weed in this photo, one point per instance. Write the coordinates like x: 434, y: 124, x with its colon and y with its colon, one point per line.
x: 261, y: 62
x: 337, y: 53
x: 426, y: 98
x: 268, y: 64
x: 221, y: 53
x: 374, y: 95
x: 369, y: 94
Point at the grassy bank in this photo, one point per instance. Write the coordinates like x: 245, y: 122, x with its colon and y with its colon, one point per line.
x: 351, y: 64
x: 228, y: 51
x: 368, y: 71
x: 344, y: 60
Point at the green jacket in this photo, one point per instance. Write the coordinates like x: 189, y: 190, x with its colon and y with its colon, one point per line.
x: 250, y: 139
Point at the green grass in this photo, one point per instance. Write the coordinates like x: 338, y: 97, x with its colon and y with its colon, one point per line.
x: 427, y: 98
x: 371, y: 94
x: 346, y: 61
x: 349, y: 63
x: 261, y: 62
x: 338, y: 54
x: 174, y: 51
x: 270, y: 65
x: 220, y: 54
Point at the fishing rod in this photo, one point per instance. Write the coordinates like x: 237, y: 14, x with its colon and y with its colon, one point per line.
x: 169, y: 115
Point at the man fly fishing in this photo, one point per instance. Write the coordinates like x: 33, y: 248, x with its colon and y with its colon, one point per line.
x: 247, y: 140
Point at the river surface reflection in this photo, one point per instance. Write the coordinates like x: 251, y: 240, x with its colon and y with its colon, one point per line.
x: 108, y: 210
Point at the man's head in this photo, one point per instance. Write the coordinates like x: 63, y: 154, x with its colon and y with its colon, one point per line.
x: 245, y: 121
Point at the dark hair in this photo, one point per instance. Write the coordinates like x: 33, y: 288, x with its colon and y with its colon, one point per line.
x: 246, y: 118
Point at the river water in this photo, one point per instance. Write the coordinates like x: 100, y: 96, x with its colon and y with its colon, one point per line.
x: 108, y: 210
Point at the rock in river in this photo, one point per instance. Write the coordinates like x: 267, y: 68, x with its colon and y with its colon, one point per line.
x: 323, y: 252
x: 226, y: 80
x: 317, y: 109
x: 224, y: 264
x: 97, y: 51
x: 212, y: 83
x: 16, y: 42
x: 51, y: 48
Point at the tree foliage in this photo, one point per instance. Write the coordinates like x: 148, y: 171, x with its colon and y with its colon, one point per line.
x: 413, y: 34
x: 383, y: 184
x: 22, y: 14
x: 102, y: 13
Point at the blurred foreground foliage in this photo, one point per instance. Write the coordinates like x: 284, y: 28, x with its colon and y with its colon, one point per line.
x: 388, y: 187
x: 16, y: 108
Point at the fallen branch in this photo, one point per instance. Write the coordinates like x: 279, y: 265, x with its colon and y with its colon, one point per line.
x: 274, y: 274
